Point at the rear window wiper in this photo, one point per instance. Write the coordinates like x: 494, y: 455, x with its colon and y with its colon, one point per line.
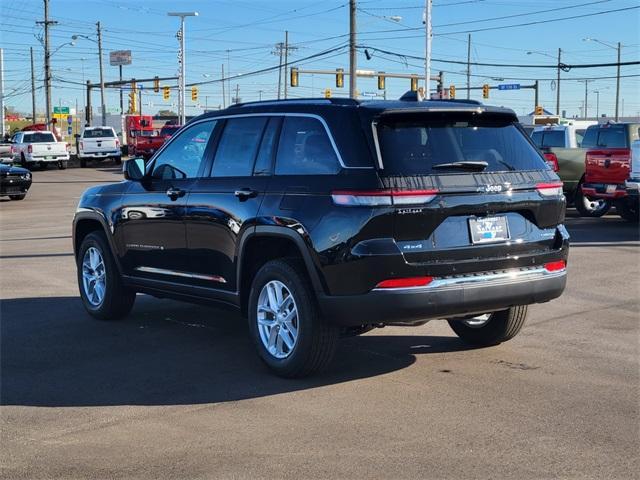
x: 463, y: 165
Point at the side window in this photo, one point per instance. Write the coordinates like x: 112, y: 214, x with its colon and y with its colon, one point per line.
x: 305, y: 149
x: 267, y: 148
x: 579, y: 136
x: 238, y: 146
x: 183, y: 156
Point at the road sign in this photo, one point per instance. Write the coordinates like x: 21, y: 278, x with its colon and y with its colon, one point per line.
x: 69, y: 119
x: 69, y: 130
x: 120, y: 57
x: 64, y: 110
x: 509, y: 86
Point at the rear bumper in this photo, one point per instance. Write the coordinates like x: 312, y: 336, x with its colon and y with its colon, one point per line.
x: 633, y: 186
x: 114, y: 153
x: 43, y: 159
x: 446, y: 298
x: 599, y: 190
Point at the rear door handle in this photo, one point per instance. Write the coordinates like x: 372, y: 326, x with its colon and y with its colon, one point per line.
x: 175, y: 193
x: 245, y: 193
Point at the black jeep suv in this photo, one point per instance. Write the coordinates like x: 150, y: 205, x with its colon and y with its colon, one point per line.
x: 319, y: 218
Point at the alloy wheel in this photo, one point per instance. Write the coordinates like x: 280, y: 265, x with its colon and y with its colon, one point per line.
x: 277, y: 319
x: 94, y: 280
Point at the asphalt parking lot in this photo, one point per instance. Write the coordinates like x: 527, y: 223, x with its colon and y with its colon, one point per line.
x: 176, y: 390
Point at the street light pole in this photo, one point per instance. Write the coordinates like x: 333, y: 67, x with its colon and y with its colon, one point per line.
x: 558, y: 84
x: 182, y: 15
x: 618, y: 81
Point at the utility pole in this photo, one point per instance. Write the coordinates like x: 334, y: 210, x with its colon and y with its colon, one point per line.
x: 352, y: 49
x: 586, y: 97
x: 87, y: 113
x: 102, y: 102
x: 2, y: 126
x: 618, y: 81
x: 286, y: 60
x: 224, y: 95
x: 237, y: 100
x: 33, y: 89
x: 47, y: 61
x: 280, y: 47
x: 597, y: 92
x: 469, y: 67
x: 558, y: 85
x: 121, y: 101
x: 537, y: 98
x: 427, y: 56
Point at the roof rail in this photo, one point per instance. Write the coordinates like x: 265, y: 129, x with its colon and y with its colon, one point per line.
x: 294, y: 101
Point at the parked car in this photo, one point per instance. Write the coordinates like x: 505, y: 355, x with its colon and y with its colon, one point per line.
x: 14, y: 181
x: 99, y: 143
x: 632, y: 184
x: 317, y: 218
x: 145, y: 146
x: 6, y: 153
x: 562, y: 147
x: 608, y: 164
x: 39, y: 148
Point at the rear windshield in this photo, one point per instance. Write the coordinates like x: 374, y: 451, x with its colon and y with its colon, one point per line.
x: 549, y: 138
x: 168, y: 131
x: 39, y: 137
x: 98, y: 133
x: 414, y: 147
x: 614, y: 136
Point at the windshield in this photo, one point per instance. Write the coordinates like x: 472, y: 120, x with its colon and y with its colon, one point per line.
x: 98, y: 133
x: 549, y: 138
x: 39, y: 137
x: 417, y: 147
x: 614, y: 136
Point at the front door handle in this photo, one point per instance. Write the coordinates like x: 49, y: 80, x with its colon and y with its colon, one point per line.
x: 175, y: 193
x: 245, y: 193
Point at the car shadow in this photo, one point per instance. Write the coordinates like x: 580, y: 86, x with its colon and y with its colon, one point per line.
x: 165, y: 353
x: 607, y: 231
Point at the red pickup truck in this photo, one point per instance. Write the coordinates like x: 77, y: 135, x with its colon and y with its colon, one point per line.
x: 146, y: 145
x: 608, y: 163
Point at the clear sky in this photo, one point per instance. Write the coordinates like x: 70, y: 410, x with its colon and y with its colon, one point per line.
x: 241, y: 34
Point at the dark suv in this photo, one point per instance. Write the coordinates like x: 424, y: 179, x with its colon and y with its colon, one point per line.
x: 322, y: 218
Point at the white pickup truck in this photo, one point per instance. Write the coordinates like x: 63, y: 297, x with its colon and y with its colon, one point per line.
x: 39, y: 147
x: 98, y: 143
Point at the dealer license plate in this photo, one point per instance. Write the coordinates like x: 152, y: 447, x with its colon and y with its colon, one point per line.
x: 489, y: 229
x: 611, y: 188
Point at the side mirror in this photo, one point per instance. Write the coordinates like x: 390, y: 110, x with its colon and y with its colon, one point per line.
x: 133, y: 169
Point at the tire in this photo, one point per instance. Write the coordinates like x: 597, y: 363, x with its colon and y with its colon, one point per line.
x: 83, y: 163
x: 17, y: 197
x: 23, y: 161
x: 629, y: 211
x: 592, y: 208
x: 62, y: 165
x: 116, y: 301
x: 313, y: 340
x: 499, y: 327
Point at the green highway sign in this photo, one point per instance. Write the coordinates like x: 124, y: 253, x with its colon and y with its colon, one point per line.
x: 62, y: 110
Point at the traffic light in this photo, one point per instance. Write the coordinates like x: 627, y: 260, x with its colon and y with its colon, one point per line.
x: 339, y: 78
x: 381, y: 81
x: 485, y: 91
x: 539, y: 110
x: 156, y: 85
x: 133, y: 102
x: 166, y: 93
x: 452, y: 91
x: 194, y: 94
x: 294, y: 77
x: 327, y: 93
x: 414, y: 84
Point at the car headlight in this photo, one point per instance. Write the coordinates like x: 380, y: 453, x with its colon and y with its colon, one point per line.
x: 25, y: 176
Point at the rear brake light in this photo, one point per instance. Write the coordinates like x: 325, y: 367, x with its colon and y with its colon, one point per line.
x: 405, y: 282
x: 549, y: 189
x: 382, y: 197
x: 117, y: 143
x: 68, y: 147
x: 555, y: 266
x: 552, y: 161
x: 29, y: 148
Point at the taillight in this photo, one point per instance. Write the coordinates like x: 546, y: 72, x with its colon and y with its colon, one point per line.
x: 405, y: 282
x: 552, y: 161
x: 117, y: 143
x: 549, y: 189
x: 555, y: 266
x: 29, y: 148
x: 81, y: 146
x: 382, y: 197
x: 68, y: 147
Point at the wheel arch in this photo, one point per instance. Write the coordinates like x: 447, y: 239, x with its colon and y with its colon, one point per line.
x: 88, y: 221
